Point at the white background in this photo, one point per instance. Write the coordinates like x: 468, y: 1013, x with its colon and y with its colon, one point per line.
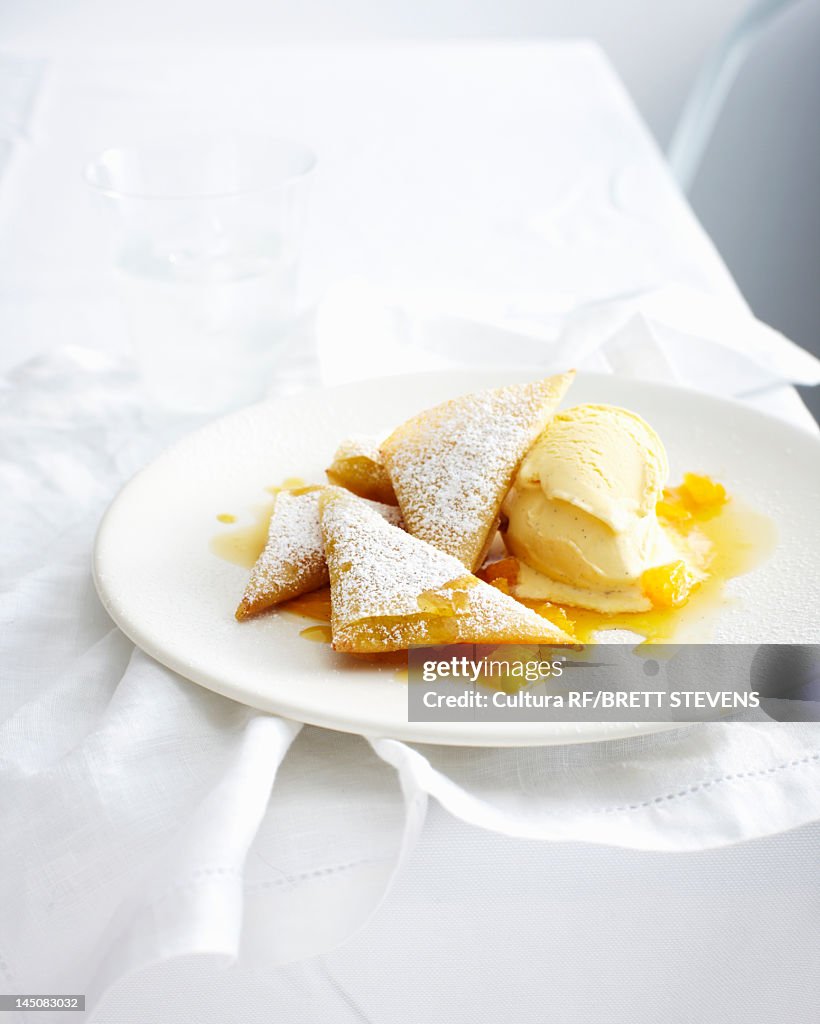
x: 534, y: 931
x: 656, y: 47
x: 756, y: 193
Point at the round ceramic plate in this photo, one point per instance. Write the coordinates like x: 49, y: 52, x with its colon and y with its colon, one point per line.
x: 162, y: 584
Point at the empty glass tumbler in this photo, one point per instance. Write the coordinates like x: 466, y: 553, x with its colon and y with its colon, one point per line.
x: 207, y: 234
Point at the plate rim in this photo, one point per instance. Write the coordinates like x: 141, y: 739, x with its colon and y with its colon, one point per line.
x: 437, y: 733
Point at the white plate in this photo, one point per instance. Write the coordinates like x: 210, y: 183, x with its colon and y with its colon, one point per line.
x: 163, y: 586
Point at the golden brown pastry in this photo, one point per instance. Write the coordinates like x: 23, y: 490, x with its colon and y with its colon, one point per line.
x: 452, y: 465
x: 293, y: 561
x: 359, y: 467
x: 390, y: 591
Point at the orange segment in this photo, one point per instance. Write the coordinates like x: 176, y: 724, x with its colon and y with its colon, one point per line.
x: 698, y: 498
x: 668, y: 586
x: 505, y: 570
x: 670, y: 509
x: 703, y: 491
x: 555, y: 614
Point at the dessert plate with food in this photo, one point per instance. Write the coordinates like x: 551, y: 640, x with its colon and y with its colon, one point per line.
x: 288, y: 555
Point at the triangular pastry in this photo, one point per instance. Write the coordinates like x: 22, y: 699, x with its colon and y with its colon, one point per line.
x: 451, y: 466
x: 390, y: 591
x: 358, y: 465
x: 293, y: 561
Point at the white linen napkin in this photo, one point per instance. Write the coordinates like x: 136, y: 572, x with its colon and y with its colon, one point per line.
x: 142, y: 817
x: 674, y: 334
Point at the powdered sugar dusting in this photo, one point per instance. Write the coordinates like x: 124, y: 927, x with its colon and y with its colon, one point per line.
x: 360, y: 446
x: 293, y: 552
x: 379, y: 572
x: 293, y: 561
x: 451, y: 466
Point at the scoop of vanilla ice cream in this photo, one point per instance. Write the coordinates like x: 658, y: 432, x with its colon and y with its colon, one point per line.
x: 581, y: 513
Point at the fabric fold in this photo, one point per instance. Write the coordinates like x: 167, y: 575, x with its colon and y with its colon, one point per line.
x: 673, y: 334
x: 144, y: 818
x: 694, y: 788
x: 191, y: 899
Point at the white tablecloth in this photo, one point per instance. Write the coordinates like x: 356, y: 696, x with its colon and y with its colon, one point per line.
x: 200, y: 856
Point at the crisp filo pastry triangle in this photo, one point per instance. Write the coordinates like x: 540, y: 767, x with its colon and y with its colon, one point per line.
x: 390, y: 591
x: 293, y: 561
x: 452, y: 465
x: 358, y: 466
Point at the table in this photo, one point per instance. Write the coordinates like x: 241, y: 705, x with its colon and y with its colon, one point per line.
x: 442, y: 166
x: 439, y: 165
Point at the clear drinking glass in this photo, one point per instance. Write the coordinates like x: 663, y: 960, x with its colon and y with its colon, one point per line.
x: 206, y: 239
